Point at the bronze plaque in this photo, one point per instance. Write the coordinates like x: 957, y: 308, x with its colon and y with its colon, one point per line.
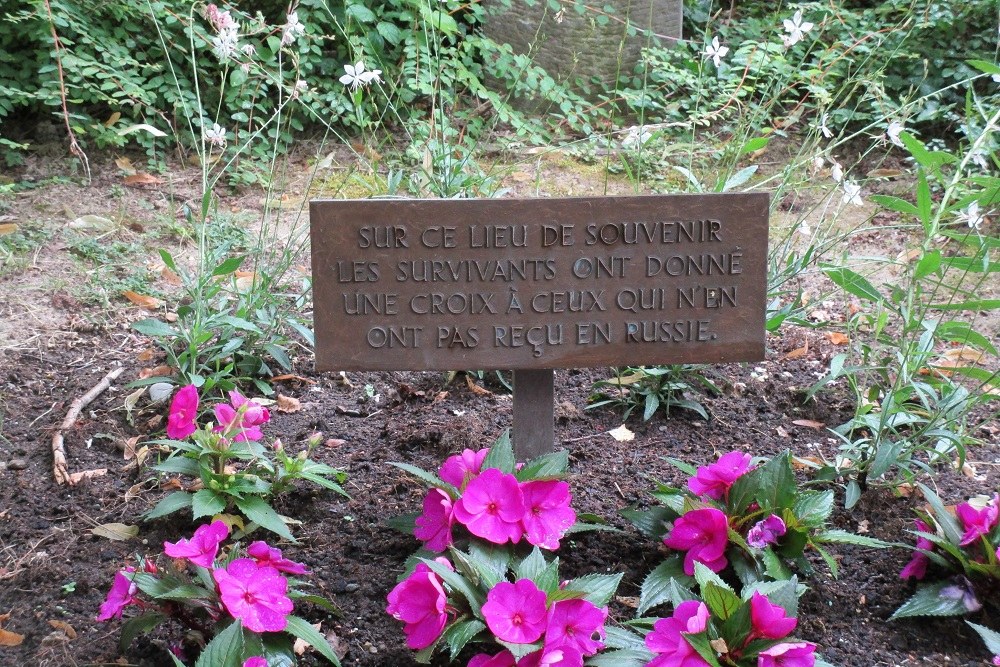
x: 448, y: 284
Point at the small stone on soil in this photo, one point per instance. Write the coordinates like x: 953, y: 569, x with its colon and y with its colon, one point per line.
x: 17, y: 464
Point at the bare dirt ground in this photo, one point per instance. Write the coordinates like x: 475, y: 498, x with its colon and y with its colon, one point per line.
x: 64, y: 323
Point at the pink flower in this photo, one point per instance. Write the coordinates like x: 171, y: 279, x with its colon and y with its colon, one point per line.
x: 433, y: 527
x: 769, y: 620
x: 547, y: 514
x: 492, y: 507
x: 996, y: 660
x: 577, y: 624
x: 704, y: 534
x: 421, y: 603
x: 248, y: 425
x: 202, y: 548
x: 255, y: 661
x: 501, y: 659
x: 515, y: 612
x: 183, y: 413
x: 268, y: 555
x: 667, y: 638
x: 460, y: 469
x: 796, y: 654
x: 978, y: 522
x: 714, y: 480
x: 562, y: 656
x: 917, y: 567
x: 257, y: 595
x: 766, y: 532
x: 121, y: 595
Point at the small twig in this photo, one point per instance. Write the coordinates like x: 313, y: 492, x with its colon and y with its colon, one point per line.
x: 60, y: 469
x: 74, y: 146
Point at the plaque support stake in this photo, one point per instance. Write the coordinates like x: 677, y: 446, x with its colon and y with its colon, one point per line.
x: 534, y: 413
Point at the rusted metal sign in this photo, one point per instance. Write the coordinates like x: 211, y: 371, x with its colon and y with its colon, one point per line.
x: 539, y: 283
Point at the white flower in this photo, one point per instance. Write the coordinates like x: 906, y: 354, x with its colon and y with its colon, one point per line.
x: 978, y: 158
x: 356, y: 75
x: 892, y: 132
x: 824, y: 130
x: 224, y: 44
x: 971, y: 216
x: 715, y: 51
x: 638, y: 135
x: 836, y: 172
x: 796, y: 29
x: 852, y: 193
x: 216, y: 135
x: 292, y: 30
x: 249, y: 50
x: 996, y: 78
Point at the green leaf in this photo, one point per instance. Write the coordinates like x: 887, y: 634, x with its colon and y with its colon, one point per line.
x: 207, y: 502
x: 929, y: 601
x: 990, y: 637
x: 532, y: 565
x: 501, y: 455
x: 240, y: 323
x: 813, y: 508
x: 739, y: 178
x: 169, y: 504
x: 520, y: 650
x: 302, y: 629
x: 700, y: 643
x: 925, y: 206
x: 458, y: 584
x: 754, y: 144
x: 634, y: 657
x: 459, y: 634
x: 183, y: 591
x: 722, y: 602
x: 944, y: 518
x: 180, y: 465
x: 656, y: 586
x: 546, y: 466
x: 155, y: 328
x: 361, y: 13
x: 836, y: 536
x: 927, y: 265
x: 886, y: 456
x: 704, y: 576
x: 228, y: 266
x: 852, y: 494
x: 430, y: 478
x: 974, y: 304
x: 852, y: 282
x: 895, y: 204
x: 389, y: 32
x: 225, y: 650
x: 651, y: 522
x: 776, y: 483
x: 598, y: 589
x: 168, y: 261
x: 139, y: 625
x: 257, y: 510
x: 683, y: 466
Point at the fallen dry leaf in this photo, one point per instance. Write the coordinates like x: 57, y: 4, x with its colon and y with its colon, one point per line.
x: 66, y: 628
x: 112, y: 119
x: 809, y: 423
x: 838, y: 338
x: 235, y: 522
x: 863, y: 526
x: 963, y: 354
x: 968, y: 469
x: 146, y: 355
x: 288, y: 377
x: 521, y: 176
x: 142, y: 300
x: 129, y: 451
x: 172, y: 483
x: 7, y: 228
x: 884, y: 173
x: 142, y: 178
x: 158, y: 371
x: 907, y: 256
x: 118, y: 532
x: 781, y: 432
x: 905, y: 489
x: 475, y: 388
x: 86, y: 475
x: 622, y: 434
x: 8, y: 638
x: 125, y: 165
x: 806, y: 462
x: 334, y: 442
x: 632, y: 602
x: 287, y: 404
x: 719, y: 645
x: 798, y: 353
x: 300, y: 645
x: 134, y: 491
x: 170, y: 277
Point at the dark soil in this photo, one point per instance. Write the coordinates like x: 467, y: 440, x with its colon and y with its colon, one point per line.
x: 53, y: 569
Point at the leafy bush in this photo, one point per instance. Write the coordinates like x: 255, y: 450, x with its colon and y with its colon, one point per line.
x: 214, y: 452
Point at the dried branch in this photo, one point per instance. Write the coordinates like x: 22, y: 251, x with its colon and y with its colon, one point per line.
x: 60, y: 469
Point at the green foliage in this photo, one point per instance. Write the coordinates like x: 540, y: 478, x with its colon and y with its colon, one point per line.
x: 653, y: 388
x: 238, y: 474
x: 915, y: 374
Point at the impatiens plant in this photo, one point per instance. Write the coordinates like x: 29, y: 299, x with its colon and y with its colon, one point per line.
x: 239, y: 602
x: 733, y: 515
x: 519, y: 609
x: 485, y: 495
x: 718, y: 629
x: 232, y: 470
x: 962, y: 549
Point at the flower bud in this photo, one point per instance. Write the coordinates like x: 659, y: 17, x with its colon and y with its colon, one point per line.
x: 314, y: 440
x: 277, y: 445
x: 303, y: 455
